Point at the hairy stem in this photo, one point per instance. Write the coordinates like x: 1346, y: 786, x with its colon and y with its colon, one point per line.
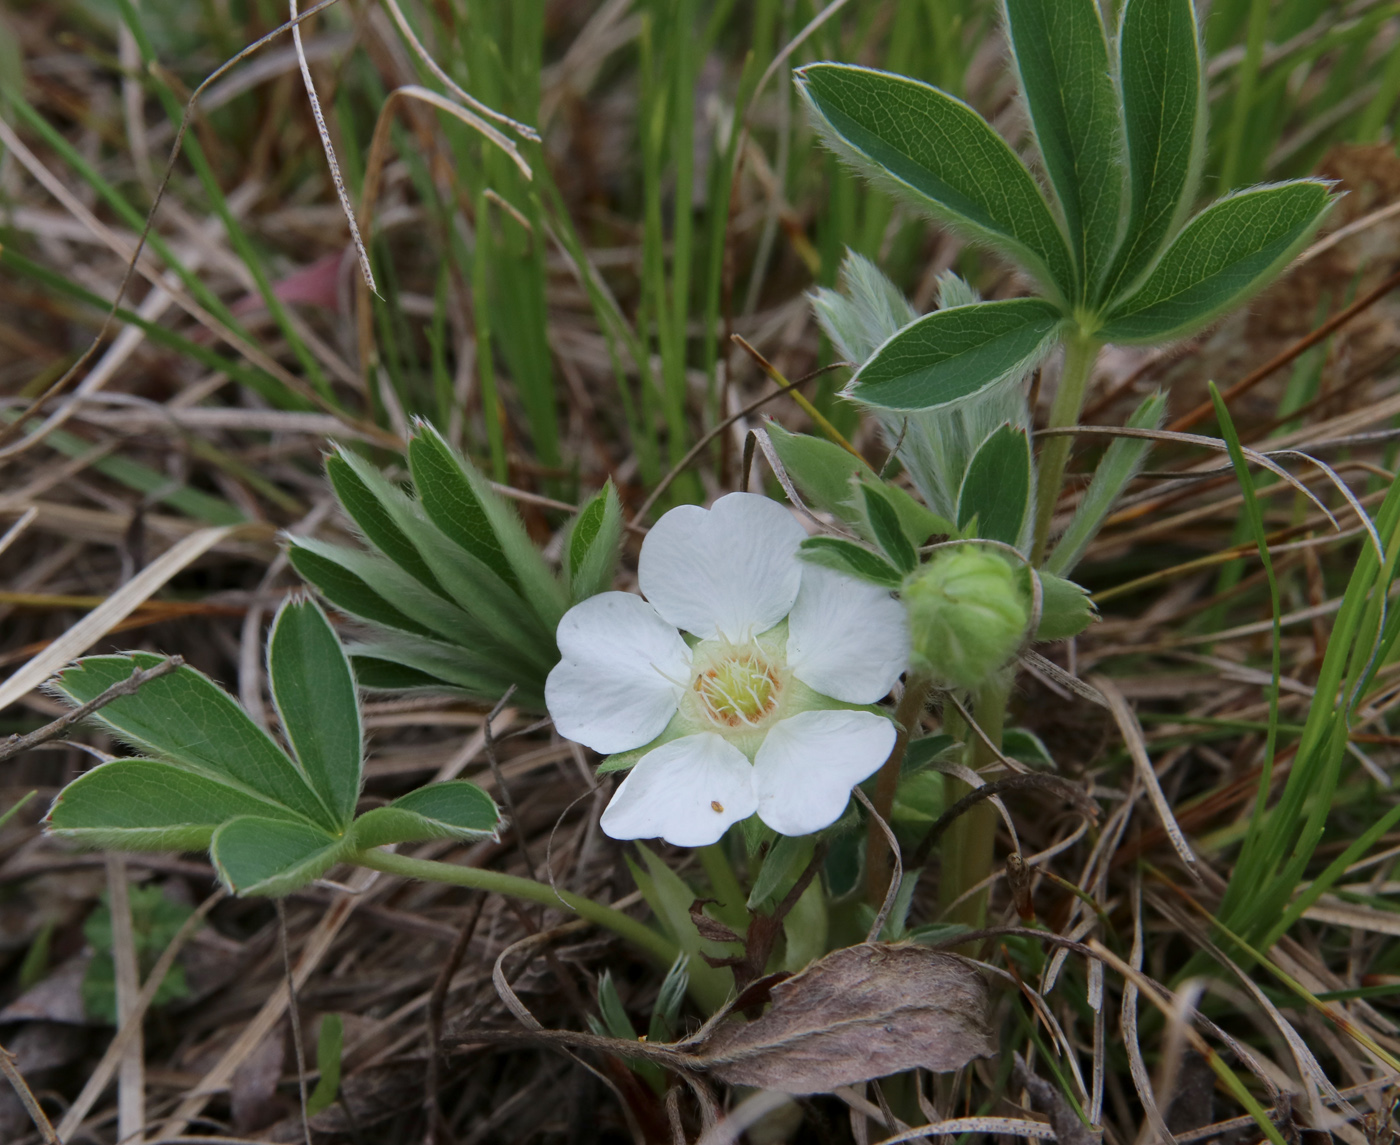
x: 1081, y: 351
x: 624, y: 926
x: 967, y: 848
x: 911, y: 707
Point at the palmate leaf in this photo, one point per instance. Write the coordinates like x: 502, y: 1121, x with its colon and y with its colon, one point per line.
x: 1061, y: 58
x: 951, y: 355
x: 942, y: 154
x: 314, y: 691
x: 187, y: 718
x: 270, y: 825
x: 1164, y: 112
x: 1226, y: 253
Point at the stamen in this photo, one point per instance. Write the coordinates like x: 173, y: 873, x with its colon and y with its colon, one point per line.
x: 716, y: 805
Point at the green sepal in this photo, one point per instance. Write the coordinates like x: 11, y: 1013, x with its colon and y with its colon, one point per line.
x: 1066, y: 608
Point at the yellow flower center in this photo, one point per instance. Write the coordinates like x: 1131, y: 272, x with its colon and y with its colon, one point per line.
x: 738, y: 689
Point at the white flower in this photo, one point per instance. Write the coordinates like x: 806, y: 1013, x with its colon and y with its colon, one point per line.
x: 754, y: 712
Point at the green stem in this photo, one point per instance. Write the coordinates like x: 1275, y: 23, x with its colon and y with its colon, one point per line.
x: 1081, y: 351
x: 968, y: 845
x: 478, y: 878
x: 906, y: 718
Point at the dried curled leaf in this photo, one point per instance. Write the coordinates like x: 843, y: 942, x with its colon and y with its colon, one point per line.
x: 859, y: 1013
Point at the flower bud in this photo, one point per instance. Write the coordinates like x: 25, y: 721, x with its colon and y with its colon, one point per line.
x: 967, y: 615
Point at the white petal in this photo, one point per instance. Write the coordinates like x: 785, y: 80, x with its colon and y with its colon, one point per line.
x: 687, y: 792
x: 809, y: 762
x: 846, y: 638
x: 621, y: 676
x: 730, y: 570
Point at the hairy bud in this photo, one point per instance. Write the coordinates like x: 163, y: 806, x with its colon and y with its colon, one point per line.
x: 967, y: 615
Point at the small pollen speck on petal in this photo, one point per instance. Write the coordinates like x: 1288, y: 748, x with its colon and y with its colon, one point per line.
x: 716, y: 805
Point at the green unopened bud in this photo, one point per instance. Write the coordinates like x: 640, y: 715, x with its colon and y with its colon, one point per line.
x: 967, y: 616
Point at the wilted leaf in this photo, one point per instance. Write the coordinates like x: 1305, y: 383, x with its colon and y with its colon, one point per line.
x: 859, y: 1013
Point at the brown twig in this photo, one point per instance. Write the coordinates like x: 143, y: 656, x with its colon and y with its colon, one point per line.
x: 1082, y: 803
x: 1278, y: 361
x: 128, y: 687
x: 10, y: 1068
x: 694, y: 451
x: 438, y: 1132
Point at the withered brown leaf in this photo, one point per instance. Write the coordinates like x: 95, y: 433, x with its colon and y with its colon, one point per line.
x: 859, y: 1013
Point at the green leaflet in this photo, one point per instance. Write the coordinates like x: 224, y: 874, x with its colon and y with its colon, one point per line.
x: 187, y: 718
x: 379, y: 674
x: 454, y: 810
x: 821, y: 470
x: 463, y: 505
x: 942, y: 153
x: 831, y: 479
x: 594, y: 544
x: 849, y: 558
x: 886, y: 528
x: 1061, y: 57
x: 314, y: 691
x: 1227, y: 252
x: 452, y: 504
x: 268, y: 857
x: 148, y: 805
x: 476, y: 672
x: 365, y: 494
x: 339, y: 574
x: 952, y: 354
x: 1164, y: 114
x: 996, y: 491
